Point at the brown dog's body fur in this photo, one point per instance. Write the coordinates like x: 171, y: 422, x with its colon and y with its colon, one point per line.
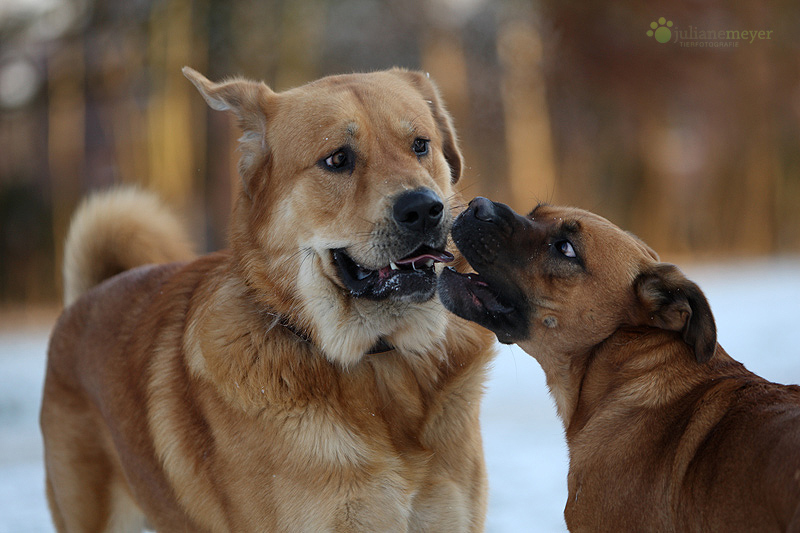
x: 666, y: 432
x: 659, y: 442
x: 232, y: 392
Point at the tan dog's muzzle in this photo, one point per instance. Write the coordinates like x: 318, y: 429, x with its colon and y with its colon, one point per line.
x: 414, y: 245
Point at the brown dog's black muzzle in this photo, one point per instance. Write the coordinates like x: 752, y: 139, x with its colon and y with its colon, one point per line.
x: 483, y: 231
x: 484, y: 234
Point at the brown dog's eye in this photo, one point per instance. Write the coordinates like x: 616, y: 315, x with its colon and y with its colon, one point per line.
x: 339, y: 161
x: 566, y: 249
x: 420, y: 146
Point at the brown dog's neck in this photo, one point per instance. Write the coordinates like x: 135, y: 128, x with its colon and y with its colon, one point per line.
x: 643, y: 367
x: 564, y: 373
x: 626, y: 364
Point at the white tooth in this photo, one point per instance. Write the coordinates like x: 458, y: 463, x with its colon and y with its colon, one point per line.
x: 394, y: 267
x: 428, y: 263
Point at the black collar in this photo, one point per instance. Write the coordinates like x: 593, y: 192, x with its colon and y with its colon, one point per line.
x: 382, y: 346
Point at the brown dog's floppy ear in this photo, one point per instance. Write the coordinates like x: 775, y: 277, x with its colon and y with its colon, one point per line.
x: 249, y: 102
x: 429, y: 91
x: 670, y: 301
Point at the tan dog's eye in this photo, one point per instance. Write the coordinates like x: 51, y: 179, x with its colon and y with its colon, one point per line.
x: 339, y: 161
x: 420, y: 146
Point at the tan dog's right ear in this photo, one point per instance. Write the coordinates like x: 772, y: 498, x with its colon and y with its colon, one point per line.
x: 670, y: 301
x: 249, y: 101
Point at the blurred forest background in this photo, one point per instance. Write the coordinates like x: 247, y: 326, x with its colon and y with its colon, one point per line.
x: 697, y: 150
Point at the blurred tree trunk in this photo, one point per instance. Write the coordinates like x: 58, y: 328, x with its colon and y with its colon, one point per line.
x: 753, y: 208
x: 529, y: 144
x: 442, y: 55
x: 123, y: 69
x: 171, y: 129
x: 66, y: 138
x: 301, y: 30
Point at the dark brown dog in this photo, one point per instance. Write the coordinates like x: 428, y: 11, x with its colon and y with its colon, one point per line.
x: 666, y: 432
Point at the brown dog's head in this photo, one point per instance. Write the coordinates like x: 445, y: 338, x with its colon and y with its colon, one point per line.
x: 345, y: 205
x: 562, y: 279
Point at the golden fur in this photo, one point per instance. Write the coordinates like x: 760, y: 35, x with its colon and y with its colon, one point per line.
x: 112, y: 232
x: 236, y: 391
x: 666, y: 432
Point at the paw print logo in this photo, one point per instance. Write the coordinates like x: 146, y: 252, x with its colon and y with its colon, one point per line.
x: 661, y: 30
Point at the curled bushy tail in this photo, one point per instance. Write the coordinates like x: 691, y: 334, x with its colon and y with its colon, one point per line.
x: 117, y: 230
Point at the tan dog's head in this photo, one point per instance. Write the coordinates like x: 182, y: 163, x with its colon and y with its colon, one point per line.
x: 562, y: 280
x: 345, y: 206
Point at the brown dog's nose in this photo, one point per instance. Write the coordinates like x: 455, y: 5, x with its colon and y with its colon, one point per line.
x: 418, y: 210
x: 483, y: 209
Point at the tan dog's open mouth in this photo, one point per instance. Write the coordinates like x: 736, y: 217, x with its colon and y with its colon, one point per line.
x: 413, y: 276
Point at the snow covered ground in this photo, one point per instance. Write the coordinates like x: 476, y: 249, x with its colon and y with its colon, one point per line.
x: 756, y: 304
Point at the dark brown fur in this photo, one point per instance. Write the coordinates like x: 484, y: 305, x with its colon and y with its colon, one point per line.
x: 666, y: 432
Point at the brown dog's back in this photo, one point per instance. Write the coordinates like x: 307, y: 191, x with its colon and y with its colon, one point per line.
x: 653, y: 451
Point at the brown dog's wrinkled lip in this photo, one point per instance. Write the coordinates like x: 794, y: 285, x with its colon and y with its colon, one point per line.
x: 408, y: 275
x: 473, y: 297
x: 480, y: 293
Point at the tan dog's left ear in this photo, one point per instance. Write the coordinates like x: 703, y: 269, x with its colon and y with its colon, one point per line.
x: 429, y: 91
x: 670, y: 301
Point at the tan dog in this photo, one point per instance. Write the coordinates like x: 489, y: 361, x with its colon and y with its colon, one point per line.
x: 665, y: 431
x: 242, y: 391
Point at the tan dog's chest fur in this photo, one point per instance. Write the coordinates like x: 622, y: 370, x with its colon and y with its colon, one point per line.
x: 666, y: 432
x: 261, y: 416
x: 232, y: 392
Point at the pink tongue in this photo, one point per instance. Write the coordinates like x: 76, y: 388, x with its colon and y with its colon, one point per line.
x: 439, y: 257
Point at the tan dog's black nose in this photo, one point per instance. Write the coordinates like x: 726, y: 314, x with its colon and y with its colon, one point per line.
x: 418, y: 210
